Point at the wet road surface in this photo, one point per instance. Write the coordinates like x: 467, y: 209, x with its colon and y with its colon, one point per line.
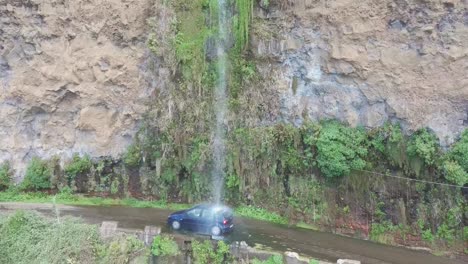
x: 320, y: 245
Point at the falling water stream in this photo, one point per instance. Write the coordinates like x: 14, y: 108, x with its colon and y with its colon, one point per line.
x: 220, y: 103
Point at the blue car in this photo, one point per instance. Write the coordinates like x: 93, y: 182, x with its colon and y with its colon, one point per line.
x: 210, y: 219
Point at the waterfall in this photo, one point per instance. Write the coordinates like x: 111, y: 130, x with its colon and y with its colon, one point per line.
x: 220, y: 103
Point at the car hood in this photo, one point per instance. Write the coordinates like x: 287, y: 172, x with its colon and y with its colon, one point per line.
x: 181, y: 212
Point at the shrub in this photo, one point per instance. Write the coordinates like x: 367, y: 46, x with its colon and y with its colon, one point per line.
x: 446, y: 233
x: 424, y: 145
x: 340, y: 149
x: 454, y: 173
x: 427, y: 236
x: 204, y: 253
x: 459, y: 151
x: 164, y: 246
x: 37, y: 175
x: 5, y: 176
x: 78, y: 165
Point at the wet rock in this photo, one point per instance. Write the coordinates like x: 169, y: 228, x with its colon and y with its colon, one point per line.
x: 4, y: 68
x: 294, y: 258
x: 108, y: 229
x: 150, y: 233
x: 348, y: 261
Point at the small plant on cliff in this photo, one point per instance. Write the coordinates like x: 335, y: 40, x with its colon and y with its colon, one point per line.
x: 5, y: 176
x: 132, y: 157
x: 456, y: 164
x: 424, y: 145
x: 454, y: 173
x: 459, y: 151
x: 340, y: 149
x: 164, y: 246
x: 37, y: 175
x: 77, y: 166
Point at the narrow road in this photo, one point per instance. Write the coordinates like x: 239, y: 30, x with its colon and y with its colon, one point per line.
x: 320, y: 245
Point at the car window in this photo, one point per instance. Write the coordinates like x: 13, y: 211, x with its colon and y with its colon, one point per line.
x: 227, y: 214
x: 207, y: 214
x: 194, y: 212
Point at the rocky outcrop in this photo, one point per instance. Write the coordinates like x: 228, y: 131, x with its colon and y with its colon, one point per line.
x: 74, y: 75
x: 366, y: 62
x: 70, y: 77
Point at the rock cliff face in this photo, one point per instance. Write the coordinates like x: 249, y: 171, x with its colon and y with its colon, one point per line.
x: 73, y: 74
x: 70, y: 76
x: 366, y: 62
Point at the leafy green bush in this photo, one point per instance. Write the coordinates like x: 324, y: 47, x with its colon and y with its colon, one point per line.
x: 427, y: 236
x: 446, y: 233
x: 424, y: 145
x: 459, y: 151
x: 5, y: 176
x: 204, y: 253
x: 341, y: 149
x: 164, y: 246
x: 454, y: 173
x: 37, y: 175
x: 78, y: 165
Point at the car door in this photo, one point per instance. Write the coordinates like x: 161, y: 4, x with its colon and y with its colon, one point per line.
x: 207, y: 220
x: 192, y: 221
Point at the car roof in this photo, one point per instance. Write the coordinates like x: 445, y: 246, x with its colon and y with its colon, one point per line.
x: 212, y: 206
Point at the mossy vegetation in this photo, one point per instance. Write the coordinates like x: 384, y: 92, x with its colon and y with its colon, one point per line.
x: 5, y: 176
x: 241, y: 23
x: 37, y: 176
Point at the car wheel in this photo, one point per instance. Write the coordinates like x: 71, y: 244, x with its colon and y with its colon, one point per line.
x: 216, y: 231
x: 175, y: 225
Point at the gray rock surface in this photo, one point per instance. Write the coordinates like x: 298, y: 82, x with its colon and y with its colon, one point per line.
x: 70, y: 77
x: 367, y: 62
x: 75, y: 77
